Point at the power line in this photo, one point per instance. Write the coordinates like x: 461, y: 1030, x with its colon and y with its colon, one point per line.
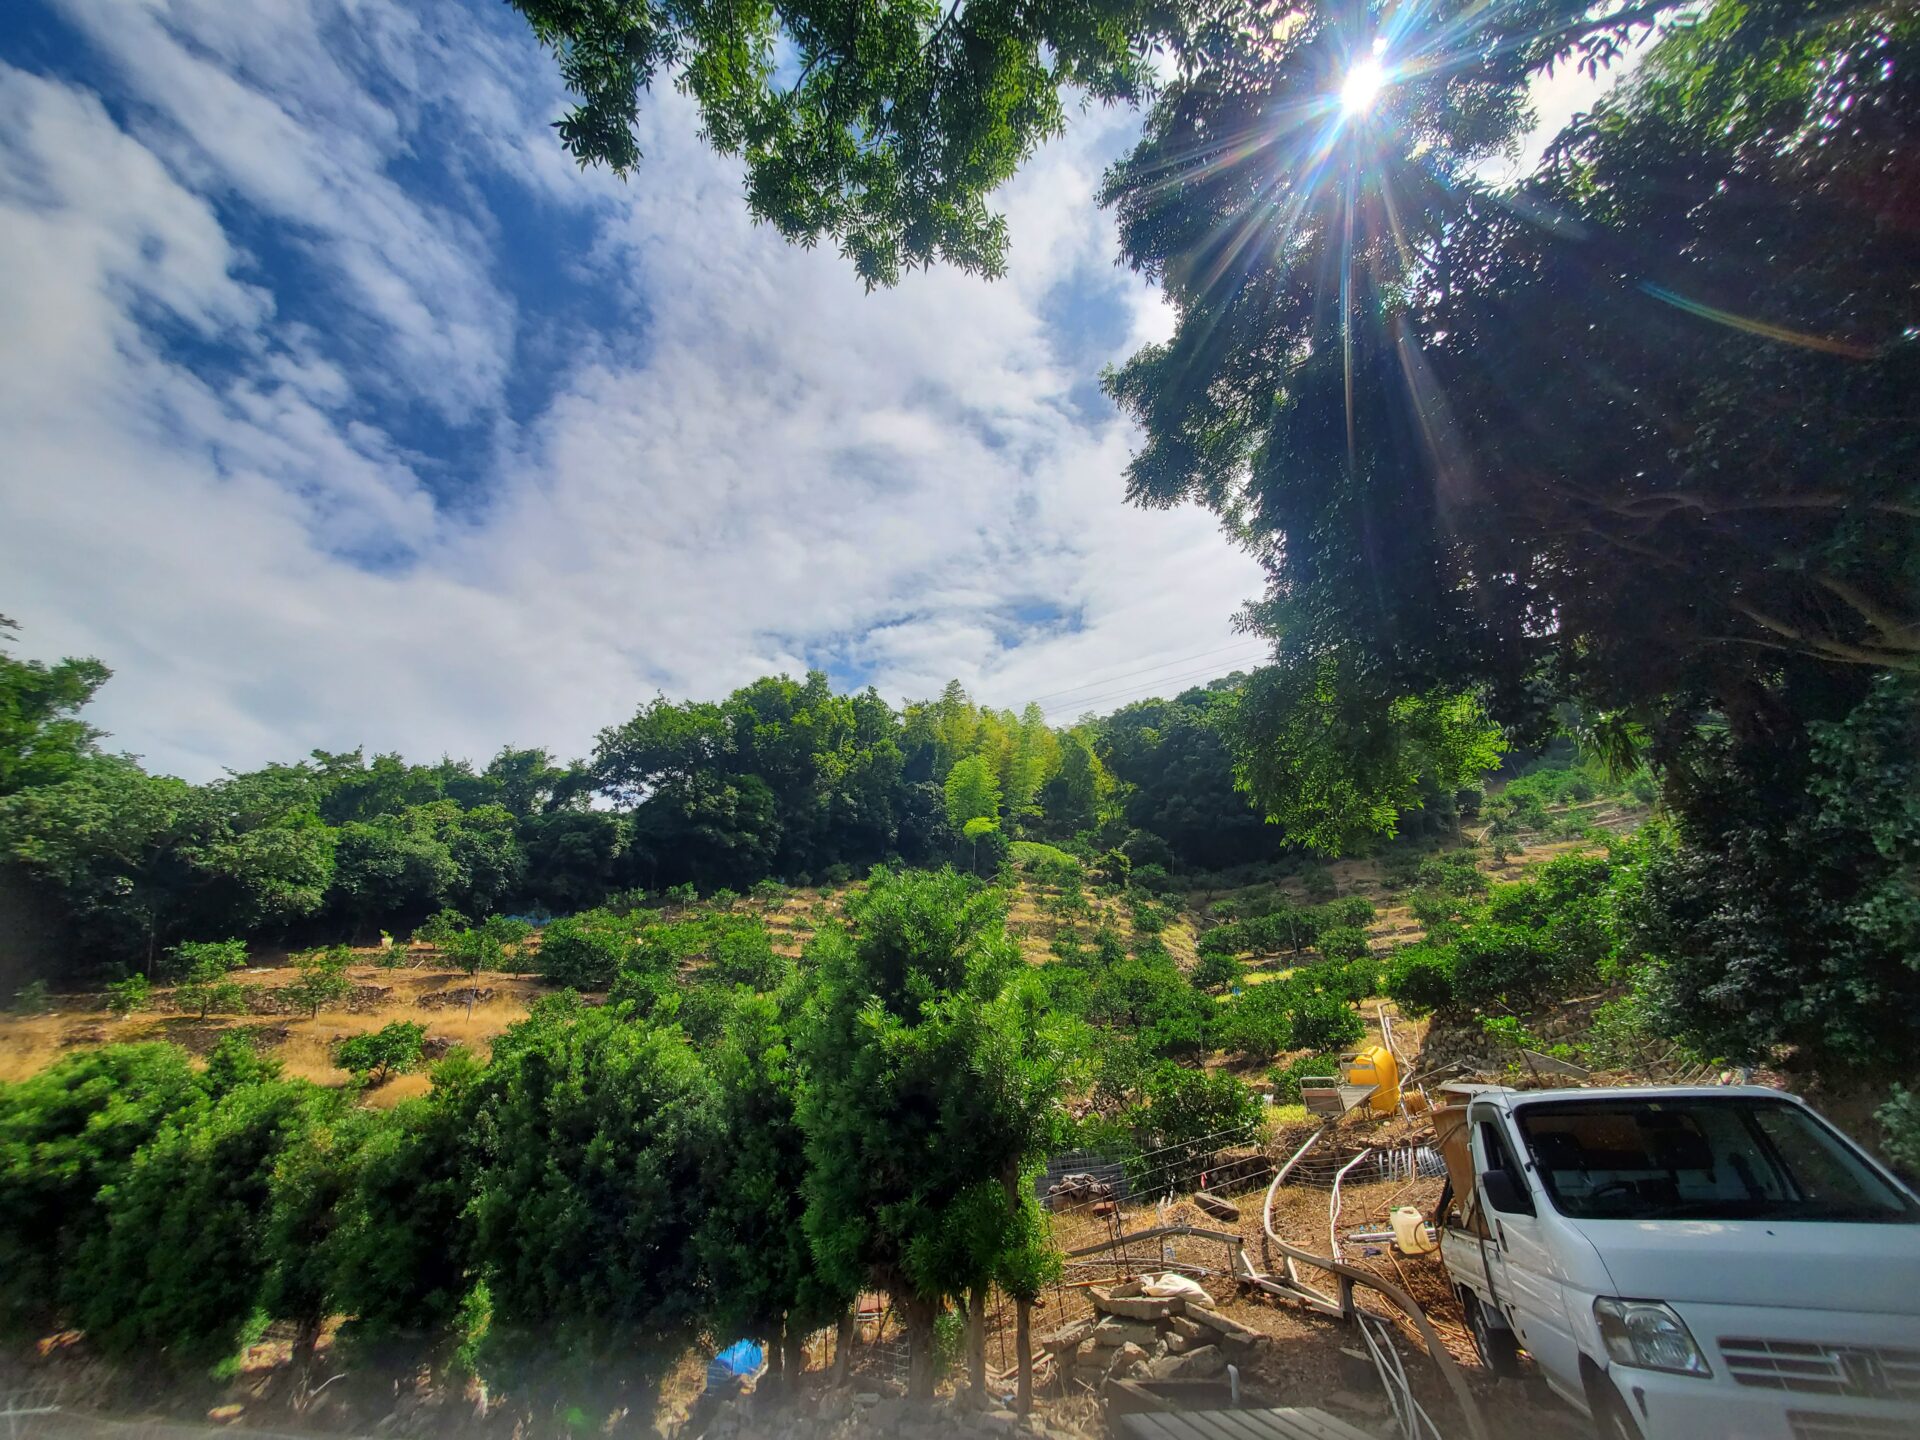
x: 1146, y: 670
x: 1184, y: 680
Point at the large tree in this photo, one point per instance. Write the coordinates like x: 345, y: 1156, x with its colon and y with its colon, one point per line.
x: 933, y: 1072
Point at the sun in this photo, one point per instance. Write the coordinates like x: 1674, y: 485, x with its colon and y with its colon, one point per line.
x: 1362, y: 86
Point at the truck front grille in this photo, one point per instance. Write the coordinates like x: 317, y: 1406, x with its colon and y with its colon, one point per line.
x: 1861, y: 1372
x: 1807, y: 1425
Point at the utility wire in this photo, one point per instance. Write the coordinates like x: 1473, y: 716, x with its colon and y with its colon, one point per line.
x: 1258, y: 645
x: 1183, y: 680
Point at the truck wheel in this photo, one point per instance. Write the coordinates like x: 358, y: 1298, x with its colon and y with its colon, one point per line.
x: 1611, y: 1418
x: 1496, y: 1346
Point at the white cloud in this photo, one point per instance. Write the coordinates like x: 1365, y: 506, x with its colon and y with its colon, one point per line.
x: 766, y: 466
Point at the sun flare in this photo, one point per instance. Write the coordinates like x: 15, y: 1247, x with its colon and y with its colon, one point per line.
x: 1362, y: 86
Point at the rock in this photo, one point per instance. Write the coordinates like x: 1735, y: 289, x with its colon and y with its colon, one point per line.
x: 1122, y: 1332
x: 1125, y: 1289
x: 866, y: 1401
x: 225, y: 1414
x: 1138, y: 1308
x: 1187, y: 1329
x: 999, y: 1420
x: 1128, y: 1356
x: 1200, y: 1364
x: 1176, y: 1344
x: 1067, y: 1337
x: 1220, y: 1324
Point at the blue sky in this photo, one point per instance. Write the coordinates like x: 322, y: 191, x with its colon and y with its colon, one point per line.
x: 342, y: 408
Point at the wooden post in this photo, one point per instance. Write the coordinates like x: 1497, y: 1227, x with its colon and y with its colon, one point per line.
x: 977, y: 1339
x: 796, y: 1358
x: 1023, y: 1352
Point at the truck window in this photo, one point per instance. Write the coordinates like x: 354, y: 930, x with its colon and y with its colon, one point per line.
x: 1493, y: 1144
x: 1702, y: 1158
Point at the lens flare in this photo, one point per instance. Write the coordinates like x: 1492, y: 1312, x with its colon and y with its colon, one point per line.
x: 1362, y: 86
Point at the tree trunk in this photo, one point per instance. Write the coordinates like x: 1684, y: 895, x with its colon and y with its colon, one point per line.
x: 977, y: 1339
x: 796, y: 1358
x: 843, y: 1346
x: 920, y: 1316
x: 1023, y: 1351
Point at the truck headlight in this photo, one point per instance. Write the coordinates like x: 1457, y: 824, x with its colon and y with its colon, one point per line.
x: 1647, y: 1334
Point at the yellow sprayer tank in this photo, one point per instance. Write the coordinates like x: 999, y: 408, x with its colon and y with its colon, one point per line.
x: 1376, y: 1067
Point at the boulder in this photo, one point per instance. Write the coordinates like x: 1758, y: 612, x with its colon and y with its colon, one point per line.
x: 1221, y: 1325
x: 1187, y: 1329
x: 1112, y: 1333
x: 1068, y: 1337
x: 1201, y: 1364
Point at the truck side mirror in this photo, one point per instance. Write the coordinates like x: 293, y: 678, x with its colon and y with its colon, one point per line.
x: 1503, y: 1194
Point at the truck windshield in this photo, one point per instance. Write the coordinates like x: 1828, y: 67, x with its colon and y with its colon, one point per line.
x: 1699, y: 1158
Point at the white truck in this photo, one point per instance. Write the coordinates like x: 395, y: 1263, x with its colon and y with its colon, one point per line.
x: 1685, y: 1263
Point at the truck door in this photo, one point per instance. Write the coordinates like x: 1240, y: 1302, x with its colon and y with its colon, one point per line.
x: 1523, y: 1266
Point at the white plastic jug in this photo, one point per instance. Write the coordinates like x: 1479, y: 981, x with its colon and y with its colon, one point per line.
x: 1410, y: 1232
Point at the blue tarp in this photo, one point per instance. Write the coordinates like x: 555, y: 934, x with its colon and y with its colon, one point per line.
x: 737, y: 1362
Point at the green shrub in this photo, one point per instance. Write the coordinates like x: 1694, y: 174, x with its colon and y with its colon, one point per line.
x: 1419, y: 979
x: 1352, y: 981
x: 1318, y: 882
x: 1324, y: 1022
x: 1354, y: 911
x: 126, y: 996
x: 1031, y: 854
x: 376, y: 1057
x: 1900, y: 1128
x: 1258, y: 1022
x: 1216, y: 972
x: 33, y: 998
x: 1347, y: 942
x: 584, y: 952
x: 204, y: 956
x: 440, y: 927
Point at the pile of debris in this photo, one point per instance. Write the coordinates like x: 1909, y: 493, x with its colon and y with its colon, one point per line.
x: 1072, y: 1191
x: 1135, y: 1334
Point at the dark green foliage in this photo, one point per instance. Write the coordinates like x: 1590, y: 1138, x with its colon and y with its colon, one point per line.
x: 235, y: 1061
x: 1323, y: 1021
x: 1343, y: 943
x: 752, y: 1242
x: 1786, y: 913
x: 934, y: 1071
x: 1900, y: 1127
x: 1174, y: 761
x: 1258, y: 1022
x: 67, y: 1134
x: 1147, y: 996
x: 889, y: 146
x: 181, y: 1260
x: 1216, y: 971
x: 323, y: 979
x: 589, y: 1137
x: 379, y: 1055
x: 205, y: 958
x: 399, y: 1250
x: 585, y: 952
x: 1189, y: 1116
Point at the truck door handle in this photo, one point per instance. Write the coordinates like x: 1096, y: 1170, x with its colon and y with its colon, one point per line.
x: 1500, y: 1233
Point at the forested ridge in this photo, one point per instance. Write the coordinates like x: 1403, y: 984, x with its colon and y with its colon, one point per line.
x: 784, y: 780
